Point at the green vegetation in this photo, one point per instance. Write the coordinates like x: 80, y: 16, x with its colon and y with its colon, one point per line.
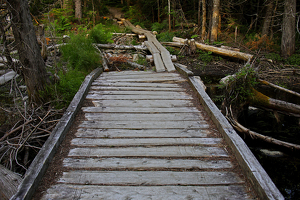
x: 240, y: 87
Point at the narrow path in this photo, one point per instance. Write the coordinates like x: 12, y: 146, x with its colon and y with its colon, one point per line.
x: 145, y: 139
x: 161, y: 56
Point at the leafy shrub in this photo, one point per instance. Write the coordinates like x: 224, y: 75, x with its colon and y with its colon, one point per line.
x: 204, y: 56
x: 63, y: 91
x: 257, y: 41
x: 240, y: 86
x: 80, y: 54
x: 159, y: 26
x: 294, y: 59
x: 165, y: 37
x: 100, y: 35
x: 173, y: 50
x: 274, y: 57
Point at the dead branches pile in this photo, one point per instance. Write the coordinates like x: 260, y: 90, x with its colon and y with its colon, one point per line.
x: 22, y: 142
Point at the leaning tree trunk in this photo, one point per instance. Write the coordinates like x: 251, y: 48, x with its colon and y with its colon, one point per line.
x: 215, y: 21
x: 33, y: 66
x: 288, y: 28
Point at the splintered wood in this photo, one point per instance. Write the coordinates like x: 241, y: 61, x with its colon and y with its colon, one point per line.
x: 145, y: 139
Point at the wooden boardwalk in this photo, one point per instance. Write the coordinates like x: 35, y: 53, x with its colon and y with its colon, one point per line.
x: 145, y: 139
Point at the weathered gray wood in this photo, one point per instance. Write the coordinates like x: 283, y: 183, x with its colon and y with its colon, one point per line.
x: 38, y: 166
x: 147, y: 80
x: 142, y: 133
x: 144, y: 117
x: 149, y: 178
x: 143, y: 103
x: 128, y: 84
x: 183, y: 69
x: 143, y: 124
x: 130, y: 92
x: 96, y: 88
x: 138, y: 75
x: 151, y: 47
x: 172, y: 151
x: 262, y: 183
x: 166, y: 57
x: 145, y: 163
x: 135, y: 97
x: 103, y: 142
x: 127, y: 72
x: 92, y: 192
x: 9, y: 183
x: 140, y: 110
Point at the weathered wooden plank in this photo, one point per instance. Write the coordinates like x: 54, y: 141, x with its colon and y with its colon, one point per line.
x: 155, y: 93
x: 166, y: 57
x: 143, y: 103
x: 172, y: 151
x: 142, y: 133
x: 127, y: 72
x: 140, y: 110
x: 150, y: 178
x: 151, y: 47
x: 133, y: 84
x: 143, y: 124
x: 144, y: 117
x: 140, y: 75
x: 136, y: 88
x: 146, y: 80
x: 137, y: 97
x: 145, y: 163
x: 104, y: 142
x: 93, y: 192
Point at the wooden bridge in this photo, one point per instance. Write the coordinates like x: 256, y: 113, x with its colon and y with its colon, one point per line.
x: 144, y: 136
x: 147, y: 135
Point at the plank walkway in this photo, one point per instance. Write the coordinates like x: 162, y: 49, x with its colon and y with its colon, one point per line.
x: 145, y: 139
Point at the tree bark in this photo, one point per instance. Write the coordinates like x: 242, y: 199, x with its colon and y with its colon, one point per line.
x: 78, y: 10
x: 264, y: 101
x: 215, y: 21
x: 268, y: 18
x: 158, y: 11
x: 288, y: 29
x: 169, y: 13
x: 33, y: 67
x: 203, y: 35
x: 199, y: 13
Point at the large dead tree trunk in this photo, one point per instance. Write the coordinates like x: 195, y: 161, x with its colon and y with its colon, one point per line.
x: 288, y: 28
x: 215, y: 21
x: 33, y: 67
x: 268, y: 17
x: 217, y: 50
x: 78, y: 9
x: 203, y: 34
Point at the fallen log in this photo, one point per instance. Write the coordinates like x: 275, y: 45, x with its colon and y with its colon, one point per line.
x: 240, y: 128
x: 9, y: 183
x: 278, y: 87
x: 125, y: 34
x: 217, y: 50
x: 261, y: 100
x: 122, y: 47
x: 135, y: 65
x: 104, y: 59
x: 173, y: 44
